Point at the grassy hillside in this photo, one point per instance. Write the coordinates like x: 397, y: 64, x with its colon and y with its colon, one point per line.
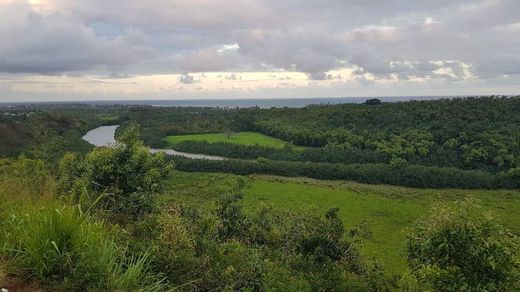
x: 242, y: 138
x: 389, y: 210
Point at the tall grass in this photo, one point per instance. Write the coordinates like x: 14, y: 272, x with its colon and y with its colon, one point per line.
x: 27, y: 178
x: 61, y: 247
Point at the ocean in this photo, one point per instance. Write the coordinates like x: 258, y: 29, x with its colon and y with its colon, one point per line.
x: 233, y: 103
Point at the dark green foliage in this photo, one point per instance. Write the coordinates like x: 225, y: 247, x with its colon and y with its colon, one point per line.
x: 460, y: 247
x: 227, y: 249
x: 476, y: 133
x: 125, y: 178
x: 373, y: 101
x: 415, y: 137
x: 395, y: 174
x: 233, y: 222
x: 468, y: 133
x: 47, y: 132
x: 331, y: 153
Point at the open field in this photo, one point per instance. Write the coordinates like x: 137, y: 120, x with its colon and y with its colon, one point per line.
x: 243, y: 138
x: 389, y: 210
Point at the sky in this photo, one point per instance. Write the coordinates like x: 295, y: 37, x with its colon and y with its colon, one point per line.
x: 179, y: 49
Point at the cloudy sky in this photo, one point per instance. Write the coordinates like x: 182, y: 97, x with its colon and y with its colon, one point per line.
x: 133, y: 49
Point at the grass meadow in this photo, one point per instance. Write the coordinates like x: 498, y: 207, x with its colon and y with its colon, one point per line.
x: 243, y: 138
x: 389, y: 210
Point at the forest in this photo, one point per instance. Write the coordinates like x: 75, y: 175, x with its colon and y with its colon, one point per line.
x: 310, y: 205
x: 473, y: 139
x: 467, y: 133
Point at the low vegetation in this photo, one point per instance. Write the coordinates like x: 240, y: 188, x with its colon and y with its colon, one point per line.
x: 387, y: 210
x: 49, y: 242
x: 125, y: 179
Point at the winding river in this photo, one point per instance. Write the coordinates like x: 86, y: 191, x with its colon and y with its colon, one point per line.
x: 104, y: 137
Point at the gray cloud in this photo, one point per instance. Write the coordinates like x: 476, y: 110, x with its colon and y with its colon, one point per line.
x: 397, y: 38
x: 186, y: 78
x: 32, y: 43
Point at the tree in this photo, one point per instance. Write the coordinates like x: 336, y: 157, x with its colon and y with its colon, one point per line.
x: 373, y: 101
x: 125, y: 178
x: 460, y: 247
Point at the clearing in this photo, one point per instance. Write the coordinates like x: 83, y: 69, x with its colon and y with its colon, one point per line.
x: 389, y: 210
x: 242, y: 138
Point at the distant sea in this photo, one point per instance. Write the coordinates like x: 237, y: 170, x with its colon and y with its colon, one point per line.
x: 233, y: 103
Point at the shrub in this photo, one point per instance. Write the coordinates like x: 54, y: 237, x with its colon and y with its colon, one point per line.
x: 232, y: 250
x: 126, y: 178
x: 460, y: 247
x: 233, y: 222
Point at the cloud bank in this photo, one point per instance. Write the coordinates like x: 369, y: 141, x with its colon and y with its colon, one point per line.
x: 370, y: 42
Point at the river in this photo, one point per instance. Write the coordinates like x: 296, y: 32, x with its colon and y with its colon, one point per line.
x: 104, y: 137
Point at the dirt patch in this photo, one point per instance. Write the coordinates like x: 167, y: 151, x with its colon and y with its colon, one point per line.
x: 13, y: 282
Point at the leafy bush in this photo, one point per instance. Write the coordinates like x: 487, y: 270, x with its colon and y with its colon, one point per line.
x: 125, y: 178
x: 229, y: 249
x: 460, y: 247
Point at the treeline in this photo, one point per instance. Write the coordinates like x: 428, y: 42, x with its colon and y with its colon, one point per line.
x: 401, y: 174
x: 468, y: 133
x: 41, y: 134
x: 333, y: 154
x: 298, y: 135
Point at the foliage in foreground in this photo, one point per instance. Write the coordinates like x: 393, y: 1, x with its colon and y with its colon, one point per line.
x: 125, y: 179
x: 227, y: 249
x: 65, y: 249
x: 460, y: 248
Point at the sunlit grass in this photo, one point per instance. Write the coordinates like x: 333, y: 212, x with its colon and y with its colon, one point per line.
x: 242, y: 138
x: 389, y: 210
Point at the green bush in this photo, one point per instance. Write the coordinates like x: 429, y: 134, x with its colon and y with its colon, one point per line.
x: 126, y: 178
x: 459, y: 247
x: 228, y: 249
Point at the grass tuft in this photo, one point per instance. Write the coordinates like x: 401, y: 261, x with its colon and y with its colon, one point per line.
x: 60, y: 246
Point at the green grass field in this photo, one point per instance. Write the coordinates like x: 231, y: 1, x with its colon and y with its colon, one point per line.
x: 243, y: 138
x: 389, y: 210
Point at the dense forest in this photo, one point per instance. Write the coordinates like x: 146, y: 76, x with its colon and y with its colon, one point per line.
x: 433, y: 143
x: 467, y: 133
